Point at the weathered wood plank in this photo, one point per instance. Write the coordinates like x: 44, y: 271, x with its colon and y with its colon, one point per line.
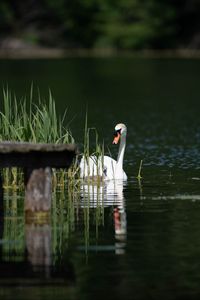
x: 7, y: 147
x: 30, y: 155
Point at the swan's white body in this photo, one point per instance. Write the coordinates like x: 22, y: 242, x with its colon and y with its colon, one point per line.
x: 106, y: 167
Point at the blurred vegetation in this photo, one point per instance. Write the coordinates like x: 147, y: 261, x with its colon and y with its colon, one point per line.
x: 121, y: 24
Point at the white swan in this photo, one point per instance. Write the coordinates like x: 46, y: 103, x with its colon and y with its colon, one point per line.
x: 108, y: 168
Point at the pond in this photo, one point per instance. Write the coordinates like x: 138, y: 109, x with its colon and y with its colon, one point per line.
x: 138, y: 239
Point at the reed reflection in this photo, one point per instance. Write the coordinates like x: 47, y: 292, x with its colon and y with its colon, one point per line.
x: 102, y: 196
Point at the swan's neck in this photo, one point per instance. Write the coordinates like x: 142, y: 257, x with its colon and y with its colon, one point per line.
x: 120, y: 158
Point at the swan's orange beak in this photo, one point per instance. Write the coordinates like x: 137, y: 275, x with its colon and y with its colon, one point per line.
x: 116, y: 138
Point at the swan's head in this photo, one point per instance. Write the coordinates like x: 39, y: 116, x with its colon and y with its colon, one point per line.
x: 120, y: 130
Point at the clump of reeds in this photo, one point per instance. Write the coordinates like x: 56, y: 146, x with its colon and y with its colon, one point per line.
x: 25, y: 121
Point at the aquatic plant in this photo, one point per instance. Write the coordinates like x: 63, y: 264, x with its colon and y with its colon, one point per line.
x: 24, y: 120
x: 139, y: 171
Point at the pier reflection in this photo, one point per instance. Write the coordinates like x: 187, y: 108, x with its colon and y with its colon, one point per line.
x: 38, y: 245
x: 28, y: 248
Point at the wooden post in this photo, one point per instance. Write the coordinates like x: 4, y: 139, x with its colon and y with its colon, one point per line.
x: 38, y: 190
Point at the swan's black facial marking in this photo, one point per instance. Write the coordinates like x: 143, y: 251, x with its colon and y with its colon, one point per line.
x: 117, y: 132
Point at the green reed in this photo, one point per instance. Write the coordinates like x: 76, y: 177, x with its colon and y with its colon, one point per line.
x: 24, y: 120
x: 140, y: 170
x: 98, y: 151
x: 62, y: 221
x: 90, y: 187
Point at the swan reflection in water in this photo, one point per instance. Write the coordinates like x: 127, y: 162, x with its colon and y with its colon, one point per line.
x: 108, y: 194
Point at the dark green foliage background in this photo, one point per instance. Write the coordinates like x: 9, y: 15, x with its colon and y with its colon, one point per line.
x: 121, y: 24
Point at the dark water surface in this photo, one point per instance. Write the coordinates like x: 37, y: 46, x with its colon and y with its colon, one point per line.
x: 139, y: 240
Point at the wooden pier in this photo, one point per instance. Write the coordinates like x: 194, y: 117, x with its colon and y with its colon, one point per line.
x: 36, y: 160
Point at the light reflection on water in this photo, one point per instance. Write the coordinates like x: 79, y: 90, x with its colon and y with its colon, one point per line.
x: 155, y: 154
